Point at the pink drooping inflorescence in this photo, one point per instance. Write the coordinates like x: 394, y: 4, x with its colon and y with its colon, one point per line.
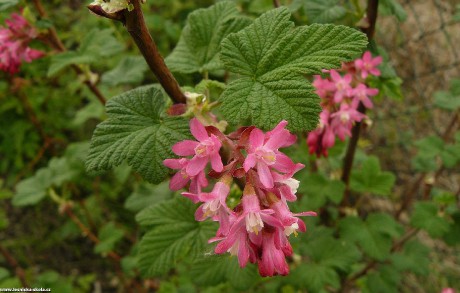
x: 257, y: 229
x: 14, y: 44
x: 341, y: 93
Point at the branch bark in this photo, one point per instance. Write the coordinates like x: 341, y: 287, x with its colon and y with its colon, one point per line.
x: 15, y: 265
x: 136, y: 27
x: 371, y: 14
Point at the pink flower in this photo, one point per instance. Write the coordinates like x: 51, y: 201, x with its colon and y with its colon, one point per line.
x: 254, y: 217
x: 361, y: 94
x: 342, y: 86
x: 343, y: 120
x: 214, y: 204
x: 236, y: 243
x: 181, y: 178
x: 448, y: 290
x: 273, y: 261
x: 204, y: 150
x: 323, y: 86
x: 368, y: 65
x: 14, y: 41
x: 290, y: 221
x: 263, y: 153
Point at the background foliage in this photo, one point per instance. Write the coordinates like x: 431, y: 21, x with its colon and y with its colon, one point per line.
x: 77, y: 231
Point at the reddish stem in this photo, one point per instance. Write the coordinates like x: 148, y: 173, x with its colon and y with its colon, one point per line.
x: 58, y: 46
x: 19, y: 271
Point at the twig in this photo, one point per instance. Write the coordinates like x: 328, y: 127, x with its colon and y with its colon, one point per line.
x: 136, y: 27
x: 68, y: 210
x: 370, y: 265
x: 57, y: 45
x: 276, y: 3
x: 372, y: 13
x: 112, y: 255
x: 349, y: 157
x: 19, y: 271
x: 32, y: 116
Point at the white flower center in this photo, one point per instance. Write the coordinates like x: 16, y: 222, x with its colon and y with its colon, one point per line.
x: 291, y: 229
x: 254, y: 223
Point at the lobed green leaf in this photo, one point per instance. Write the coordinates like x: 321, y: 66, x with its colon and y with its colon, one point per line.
x: 138, y: 132
x: 270, y: 56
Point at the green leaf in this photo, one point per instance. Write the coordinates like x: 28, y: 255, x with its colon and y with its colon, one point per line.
x: 392, y: 7
x: 446, y: 101
x: 136, y: 131
x: 5, y: 4
x: 452, y: 237
x: 109, y: 235
x: 270, y: 56
x: 316, y: 189
x: 146, y: 195
x: 374, y: 236
x: 4, y: 273
x: 175, y: 235
x: 32, y: 190
x: 324, y: 11
x: 216, y: 269
x: 413, y: 258
x: 199, y: 44
x: 371, y: 179
x: 130, y: 69
x: 337, y: 254
x: 425, y: 216
x: 314, y: 277
x: 95, y: 45
x: 386, y: 279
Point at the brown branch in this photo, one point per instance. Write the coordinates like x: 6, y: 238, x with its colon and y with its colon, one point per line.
x: 19, y: 271
x: 58, y: 46
x: 349, y: 157
x: 112, y: 255
x: 276, y: 3
x: 87, y: 232
x: 347, y: 283
x: 136, y: 27
x: 371, y: 14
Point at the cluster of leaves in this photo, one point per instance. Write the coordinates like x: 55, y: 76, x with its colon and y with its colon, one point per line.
x: 254, y: 64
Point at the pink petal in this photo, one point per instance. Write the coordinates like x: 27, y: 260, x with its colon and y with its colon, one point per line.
x: 192, y: 196
x: 178, y: 181
x: 256, y: 138
x: 335, y: 76
x: 283, y: 163
x: 264, y: 175
x: 173, y: 163
x: 243, y: 253
x: 198, y: 130
x: 199, y: 215
x: 377, y: 60
x: 196, y: 165
x: 208, y: 196
x: 216, y: 162
x: 249, y: 162
x: 185, y: 148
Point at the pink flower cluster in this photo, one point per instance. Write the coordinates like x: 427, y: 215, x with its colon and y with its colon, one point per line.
x: 340, y: 97
x: 258, y: 227
x: 14, y: 44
